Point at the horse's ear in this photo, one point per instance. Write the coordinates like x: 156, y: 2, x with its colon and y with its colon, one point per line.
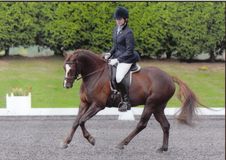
x: 65, y: 54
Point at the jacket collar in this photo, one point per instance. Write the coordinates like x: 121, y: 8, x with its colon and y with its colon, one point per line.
x: 124, y: 26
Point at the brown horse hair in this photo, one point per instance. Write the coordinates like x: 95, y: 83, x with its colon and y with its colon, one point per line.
x: 189, y: 102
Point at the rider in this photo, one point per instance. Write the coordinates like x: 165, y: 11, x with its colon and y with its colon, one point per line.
x: 122, y: 53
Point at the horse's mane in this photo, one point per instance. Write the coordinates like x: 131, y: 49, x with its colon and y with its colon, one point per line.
x: 88, y: 53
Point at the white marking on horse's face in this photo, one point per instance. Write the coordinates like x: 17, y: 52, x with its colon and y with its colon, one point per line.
x: 65, y: 83
x: 67, y: 69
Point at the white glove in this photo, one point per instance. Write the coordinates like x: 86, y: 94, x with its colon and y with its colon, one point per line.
x: 113, y: 61
x: 107, y: 55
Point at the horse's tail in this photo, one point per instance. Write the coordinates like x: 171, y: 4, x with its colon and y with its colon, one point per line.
x: 189, y: 102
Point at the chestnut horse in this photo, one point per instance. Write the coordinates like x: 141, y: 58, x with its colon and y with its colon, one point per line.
x: 150, y: 87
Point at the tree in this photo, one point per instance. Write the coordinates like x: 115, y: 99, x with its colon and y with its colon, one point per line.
x: 17, y: 25
x: 197, y: 28
x: 185, y: 28
x: 102, y: 23
x: 215, y: 29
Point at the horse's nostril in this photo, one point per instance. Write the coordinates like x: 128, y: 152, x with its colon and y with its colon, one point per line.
x: 68, y: 86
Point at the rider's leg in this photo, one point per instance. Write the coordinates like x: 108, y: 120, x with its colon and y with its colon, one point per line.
x: 122, y: 69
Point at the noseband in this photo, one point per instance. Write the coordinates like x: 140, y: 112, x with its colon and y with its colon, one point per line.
x: 76, y: 71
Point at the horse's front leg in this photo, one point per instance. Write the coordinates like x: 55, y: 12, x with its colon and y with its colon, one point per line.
x: 87, y: 135
x: 82, y: 110
x: 94, y: 108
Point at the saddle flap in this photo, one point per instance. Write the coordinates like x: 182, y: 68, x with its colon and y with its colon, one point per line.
x: 128, y: 77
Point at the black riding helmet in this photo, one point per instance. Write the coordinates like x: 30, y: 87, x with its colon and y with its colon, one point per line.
x: 121, y: 12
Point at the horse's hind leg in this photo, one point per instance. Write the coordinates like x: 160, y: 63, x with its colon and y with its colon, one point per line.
x: 161, y: 118
x: 82, y: 110
x: 146, y: 114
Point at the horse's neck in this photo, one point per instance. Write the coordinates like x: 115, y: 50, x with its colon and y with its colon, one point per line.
x: 92, y: 74
x: 91, y: 65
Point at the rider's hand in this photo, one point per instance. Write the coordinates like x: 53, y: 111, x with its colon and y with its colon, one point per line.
x: 107, y: 55
x: 113, y: 61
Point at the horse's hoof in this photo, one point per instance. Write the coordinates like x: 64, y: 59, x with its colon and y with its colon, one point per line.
x: 161, y: 150
x: 120, y: 146
x: 92, y: 141
x: 64, y: 146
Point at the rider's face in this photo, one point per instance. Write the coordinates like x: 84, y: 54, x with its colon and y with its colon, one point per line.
x: 120, y: 22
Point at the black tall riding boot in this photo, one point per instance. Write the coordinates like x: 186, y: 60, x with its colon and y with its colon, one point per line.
x: 124, y: 90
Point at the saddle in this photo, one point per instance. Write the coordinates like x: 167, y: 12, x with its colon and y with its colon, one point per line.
x: 115, y: 97
x: 128, y: 77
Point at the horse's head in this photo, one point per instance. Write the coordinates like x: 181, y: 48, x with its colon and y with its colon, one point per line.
x: 71, y: 70
x: 82, y: 62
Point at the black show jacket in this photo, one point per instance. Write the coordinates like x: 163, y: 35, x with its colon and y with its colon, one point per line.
x: 123, y: 46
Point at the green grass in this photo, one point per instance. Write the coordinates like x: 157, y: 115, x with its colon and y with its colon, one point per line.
x: 45, y: 77
x: 208, y: 85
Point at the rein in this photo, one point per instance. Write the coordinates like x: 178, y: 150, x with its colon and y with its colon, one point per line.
x: 78, y: 78
x: 87, y: 75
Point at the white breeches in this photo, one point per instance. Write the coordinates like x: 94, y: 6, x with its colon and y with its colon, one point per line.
x: 122, y: 69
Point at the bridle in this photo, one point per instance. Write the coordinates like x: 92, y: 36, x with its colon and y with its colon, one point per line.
x: 75, y: 77
x: 76, y: 72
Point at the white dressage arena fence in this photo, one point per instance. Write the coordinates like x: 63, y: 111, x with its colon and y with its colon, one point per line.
x: 21, y: 106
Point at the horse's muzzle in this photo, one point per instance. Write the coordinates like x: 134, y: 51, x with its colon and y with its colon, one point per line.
x: 67, y: 85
